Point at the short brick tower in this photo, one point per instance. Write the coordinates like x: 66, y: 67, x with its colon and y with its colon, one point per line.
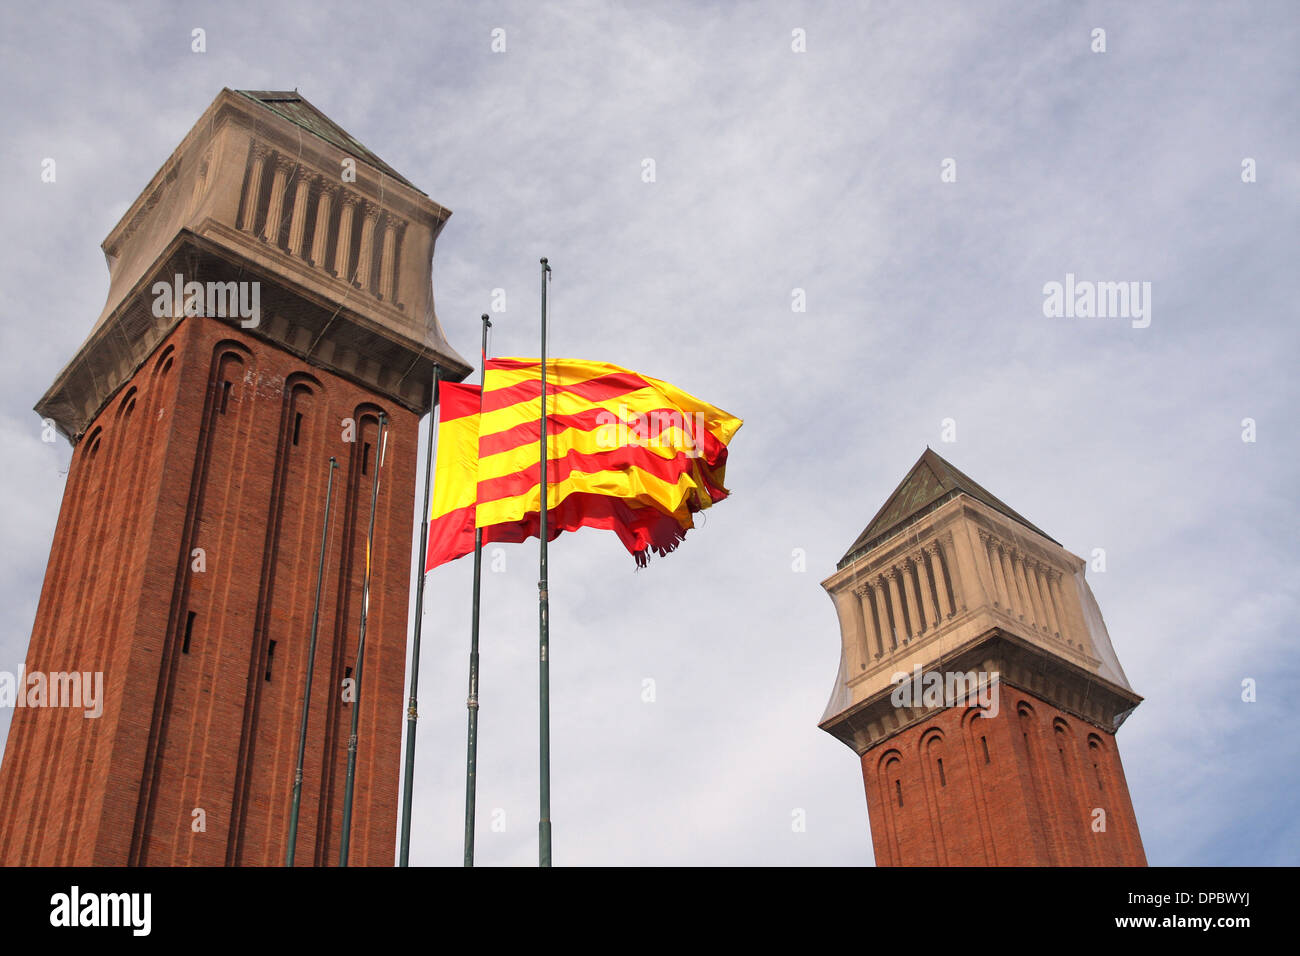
x: 978, y: 686
x: 184, y: 563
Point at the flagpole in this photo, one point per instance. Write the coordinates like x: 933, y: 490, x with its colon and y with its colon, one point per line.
x: 361, y: 648
x: 311, y: 665
x: 408, y: 773
x: 543, y: 615
x: 471, y: 702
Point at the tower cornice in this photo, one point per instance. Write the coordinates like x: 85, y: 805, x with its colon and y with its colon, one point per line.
x: 1017, y: 664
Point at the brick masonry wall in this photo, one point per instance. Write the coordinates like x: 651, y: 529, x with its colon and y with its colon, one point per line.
x: 199, y: 451
x: 1018, y: 789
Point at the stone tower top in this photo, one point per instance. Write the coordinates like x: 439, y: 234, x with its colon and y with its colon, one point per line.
x: 265, y: 187
x: 932, y: 481
x: 946, y: 576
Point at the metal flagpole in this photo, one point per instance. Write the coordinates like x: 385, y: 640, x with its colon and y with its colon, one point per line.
x: 411, y: 715
x: 311, y: 664
x: 471, y: 702
x: 361, y: 648
x: 543, y: 614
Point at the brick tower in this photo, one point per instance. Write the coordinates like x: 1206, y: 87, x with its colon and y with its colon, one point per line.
x: 183, y: 566
x: 978, y: 686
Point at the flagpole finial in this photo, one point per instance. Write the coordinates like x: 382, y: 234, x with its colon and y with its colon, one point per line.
x: 486, y: 320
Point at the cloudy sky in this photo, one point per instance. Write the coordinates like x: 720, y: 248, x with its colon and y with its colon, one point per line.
x: 775, y: 170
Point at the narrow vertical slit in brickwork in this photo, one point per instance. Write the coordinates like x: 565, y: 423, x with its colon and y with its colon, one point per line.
x: 898, y: 789
x: 943, y: 781
x: 365, y: 458
x: 189, y: 631
x: 225, y: 396
x: 297, y: 426
x: 985, y: 742
x: 270, y: 658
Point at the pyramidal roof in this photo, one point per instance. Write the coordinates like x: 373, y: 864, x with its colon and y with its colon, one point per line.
x: 931, y: 482
x: 294, y: 107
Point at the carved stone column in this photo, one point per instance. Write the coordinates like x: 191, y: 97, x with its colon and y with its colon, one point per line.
x: 366, y: 251
x: 320, y: 239
x: 896, y: 602
x: 1042, y: 574
x: 1018, y: 563
x: 1040, y: 615
x: 940, y: 585
x: 275, y: 209
x: 388, y: 258
x: 1000, y: 596
x: 298, y: 220
x: 343, y: 247
x: 856, y: 652
x: 872, y: 636
x: 1058, y: 602
x: 1024, y: 567
x: 253, y: 188
x: 929, y: 612
x: 878, y: 597
x: 1015, y: 604
x: 909, y: 592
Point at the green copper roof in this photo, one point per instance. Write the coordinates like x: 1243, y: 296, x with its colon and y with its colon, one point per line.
x: 294, y: 107
x: 931, y: 482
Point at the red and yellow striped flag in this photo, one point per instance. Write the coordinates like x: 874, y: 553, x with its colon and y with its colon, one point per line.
x: 625, y: 452
x: 455, y: 473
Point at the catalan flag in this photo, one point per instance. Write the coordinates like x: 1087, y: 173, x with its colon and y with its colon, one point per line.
x: 451, y: 513
x: 626, y: 452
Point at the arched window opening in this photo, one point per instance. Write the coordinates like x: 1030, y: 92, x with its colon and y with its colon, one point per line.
x: 1094, y: 750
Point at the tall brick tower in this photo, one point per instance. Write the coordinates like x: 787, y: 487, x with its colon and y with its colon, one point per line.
x: 978, y: 685
x: 183, y: 566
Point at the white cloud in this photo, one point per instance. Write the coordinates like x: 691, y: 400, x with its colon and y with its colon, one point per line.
x: 778, y: 170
